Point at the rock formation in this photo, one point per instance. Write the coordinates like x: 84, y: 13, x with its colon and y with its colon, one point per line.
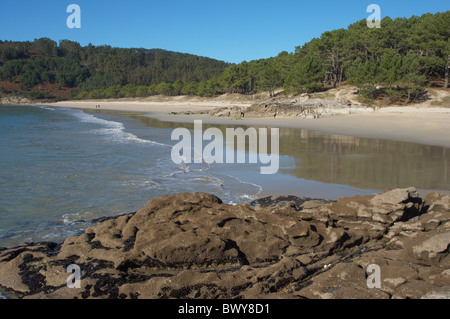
x: 303, y: 107
x: 300, y: 107
x: 195, y: 246
x: 14, y: 100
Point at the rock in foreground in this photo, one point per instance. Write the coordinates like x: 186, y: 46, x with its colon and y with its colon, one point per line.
x: 194, y: 246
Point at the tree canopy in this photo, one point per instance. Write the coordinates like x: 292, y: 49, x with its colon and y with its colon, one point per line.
x: 98, y: 67
x: 400, y: 60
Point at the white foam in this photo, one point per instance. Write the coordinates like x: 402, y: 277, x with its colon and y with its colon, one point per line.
x: 203, y: 169
x: 45, y: 107
x: 248, y: 183
x: 210, y: 179
x: 115, y: 131
x: 184, y: 168
x: 71, y: 218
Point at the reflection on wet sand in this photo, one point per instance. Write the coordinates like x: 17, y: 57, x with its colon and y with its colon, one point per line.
x: 365, y: 163
x: 358, y: 162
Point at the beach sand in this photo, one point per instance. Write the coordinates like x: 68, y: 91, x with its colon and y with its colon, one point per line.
x: 422, y: 124
x: 415, y: 124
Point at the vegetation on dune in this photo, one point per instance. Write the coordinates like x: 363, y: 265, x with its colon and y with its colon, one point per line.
x: 397, y: 62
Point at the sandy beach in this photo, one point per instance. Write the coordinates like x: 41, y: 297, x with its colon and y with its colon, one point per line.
x: 416, y: 124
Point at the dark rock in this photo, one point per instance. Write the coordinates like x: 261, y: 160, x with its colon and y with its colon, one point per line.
x: 194, y: 246
x: 294, y: 201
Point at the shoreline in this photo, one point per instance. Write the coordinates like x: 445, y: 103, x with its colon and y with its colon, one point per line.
x: 410, y: 124
x: 300, y: 250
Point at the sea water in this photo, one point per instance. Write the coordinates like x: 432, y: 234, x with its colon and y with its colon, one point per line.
x: 61, y: 168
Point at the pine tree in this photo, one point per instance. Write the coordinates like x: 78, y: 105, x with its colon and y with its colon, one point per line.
x: 307, y: 76
x: 390, y: 70
x: 270, y: 78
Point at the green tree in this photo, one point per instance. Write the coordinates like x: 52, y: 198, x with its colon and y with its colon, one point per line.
x: 307, y: 76
x: 142, y: 91
x: 270, y: 78
x: 177, y: 87
x: 390, y: 71
x: 70, y: 49
x: 413, y: 82
x: 213, y: 87
x: 129, y: 91
x: 164, y: 89
x: 13, y: 68
x: 45, y: 47
x: 364, y: 76
x: 190, y: 88
x: 29, y: 79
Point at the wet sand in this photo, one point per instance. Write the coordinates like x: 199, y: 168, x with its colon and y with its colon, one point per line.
x: 430, y: 126
x: 427, y: 126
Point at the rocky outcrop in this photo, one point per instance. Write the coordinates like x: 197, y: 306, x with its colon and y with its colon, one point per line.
x: 14, y: 100
x: 304, y: 106
x: 195, y: 246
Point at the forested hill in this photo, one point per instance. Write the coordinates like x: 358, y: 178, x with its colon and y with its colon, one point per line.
x: 55, y: 69
x: 396, y: 62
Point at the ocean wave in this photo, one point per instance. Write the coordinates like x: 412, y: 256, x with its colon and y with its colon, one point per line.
x: 145, y: 184
x: 64, y: 233
x: 210, y: 179
x: 205, y: 168
x: 45, y: 107
x: 260, y: 189
x: 188, y: 168
x: 114, y: 131
x: 77, y: 217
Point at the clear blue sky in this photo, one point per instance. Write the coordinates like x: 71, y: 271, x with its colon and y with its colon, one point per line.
x: 231, y: 31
